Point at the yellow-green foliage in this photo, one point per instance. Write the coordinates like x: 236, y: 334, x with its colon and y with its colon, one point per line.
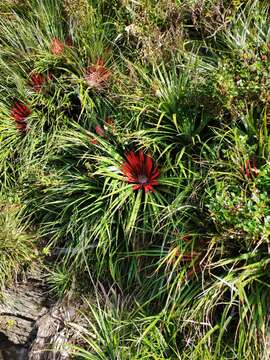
x: 76, y: 9
x: 17, y: 247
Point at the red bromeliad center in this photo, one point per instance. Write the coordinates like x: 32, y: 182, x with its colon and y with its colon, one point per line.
x: 36, y: 81
x: 142, y: 179
x: 100, y: 131
x: 97, y: 75
x: 140, y: 170
x: 57, y: 46
x: 19, y: 114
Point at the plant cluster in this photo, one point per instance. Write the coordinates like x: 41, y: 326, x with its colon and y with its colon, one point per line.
x: 134, y: 137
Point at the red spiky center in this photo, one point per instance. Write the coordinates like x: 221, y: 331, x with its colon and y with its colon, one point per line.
x: 140, y: 170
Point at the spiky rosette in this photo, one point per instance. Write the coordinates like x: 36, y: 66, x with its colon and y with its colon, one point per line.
x: 97, y: 75
x: 36, y: 81
x: 19, y: 113
x: 57, y: 46
x: 140, y: 170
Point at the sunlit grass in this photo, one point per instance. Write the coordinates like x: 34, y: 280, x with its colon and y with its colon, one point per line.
x: 177, y: 269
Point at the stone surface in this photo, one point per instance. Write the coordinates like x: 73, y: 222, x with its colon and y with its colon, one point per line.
x: 34, y: 328
x: 54, y: 330
x: 19, y: 310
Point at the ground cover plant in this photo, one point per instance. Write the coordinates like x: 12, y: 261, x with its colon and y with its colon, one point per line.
x: 135, y: 144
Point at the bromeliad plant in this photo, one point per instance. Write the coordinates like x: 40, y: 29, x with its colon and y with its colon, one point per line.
x: 115, y: 202
x: 147, y: 172
x: 54, y: 93
x: 20, y: 113
x: 140, y: 170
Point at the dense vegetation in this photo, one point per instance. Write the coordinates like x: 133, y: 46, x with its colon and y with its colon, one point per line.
x: 134, y: 165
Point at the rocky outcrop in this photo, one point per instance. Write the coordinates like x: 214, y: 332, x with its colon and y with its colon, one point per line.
x: 32, y: 326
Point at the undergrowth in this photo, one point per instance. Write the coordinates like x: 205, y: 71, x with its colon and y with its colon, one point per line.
x: 135, y: 140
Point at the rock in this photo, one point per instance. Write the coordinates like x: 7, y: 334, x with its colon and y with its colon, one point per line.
x: 53, y: 333
x: 32, y: 327
x: 11, y: 351
x: 20, y: 308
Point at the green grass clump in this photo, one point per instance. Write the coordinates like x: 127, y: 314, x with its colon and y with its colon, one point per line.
x: 17, y: 246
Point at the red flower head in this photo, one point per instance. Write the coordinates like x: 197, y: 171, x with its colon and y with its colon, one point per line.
x: 140, y: 170
x: 97, y: 75
x: 57, y: 46
x: 94, y: 141
x: 100, y: 131
x: 36, y: 81
x: 19, y: 113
